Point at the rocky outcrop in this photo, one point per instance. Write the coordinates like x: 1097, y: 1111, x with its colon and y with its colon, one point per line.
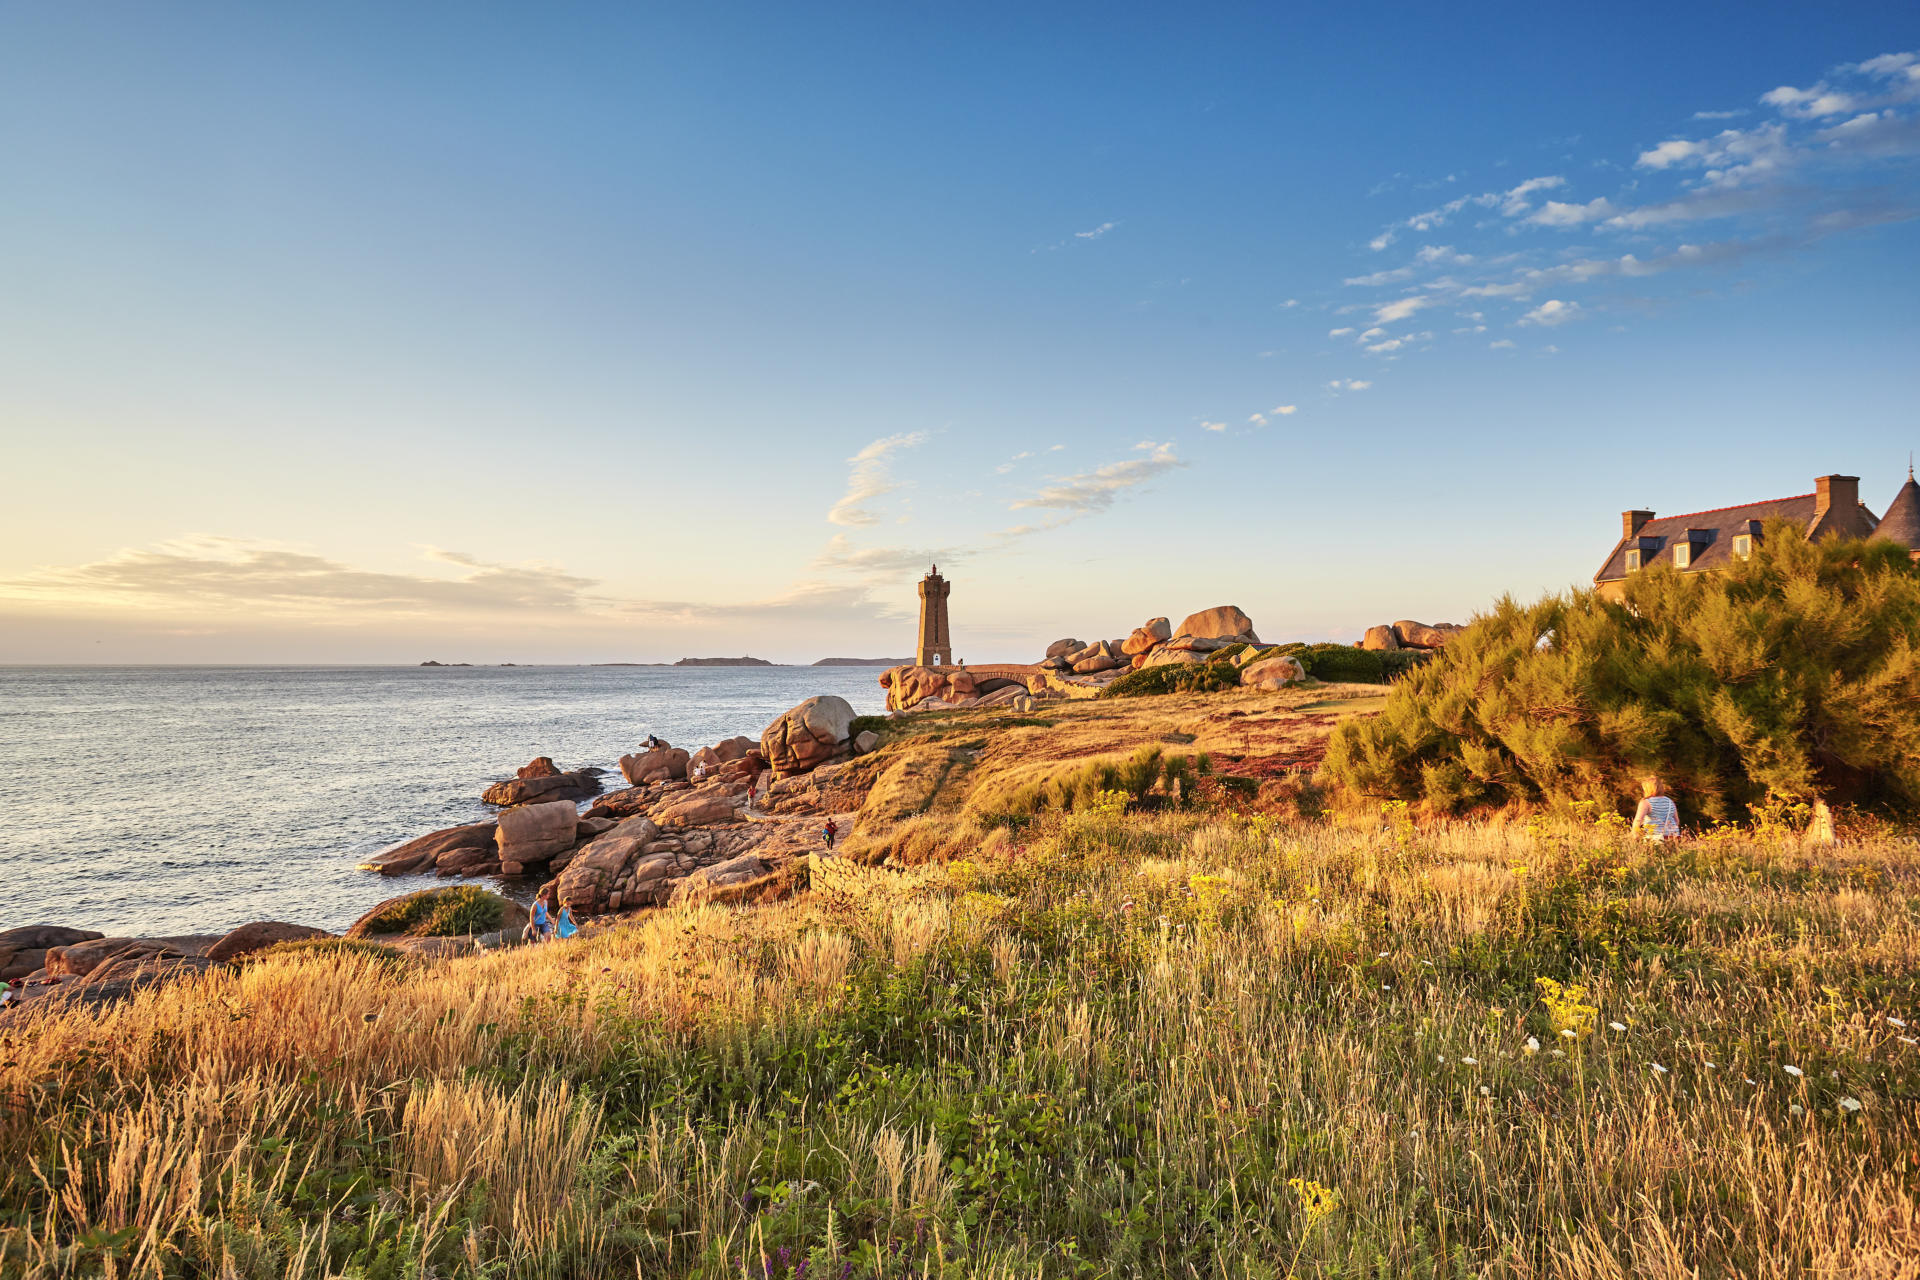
x: 659, y: 765
x: 539, y: 786
x: 24, y: 950
x: 249, y: 938
x: 1060, y: 648
x: 1418, y: 635
x: 81, y: 958
x: 456, y: 851
x: 708, y: 883
x: 534, y: 833
x: 1156, y: 631
x: 638, y: 864
x: 696, y: 809
x: 1380, y: 637
x: 538, y: 767
x: 1222, y: 622
x: 1272, y: 673
x: 809, y: 735
x: 1170, y: 656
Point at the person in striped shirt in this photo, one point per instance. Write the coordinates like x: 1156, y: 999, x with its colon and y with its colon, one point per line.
x: 1658, y: 817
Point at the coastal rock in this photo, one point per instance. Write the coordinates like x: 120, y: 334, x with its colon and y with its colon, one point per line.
x: 1156, y: 631
x: 697, y: 809
x: 262, y: 933
x: 539, y: 767
x: 701, y: 885
x: 1060, y: 648
x: 659, y: 765
x: 736, y: 748
x: 1418, y: 635
x: 1169, y: 656
x: 24, y: 950
x: 1222, y: 622
x: 589, y: 878
x: 1196, y: 644
x: 808, y: 735
x: 535, y: 832
x: 588, y: 828
x: 625, y: 803
x: 425, y: 853
x: 1272, y: 673
x: 1097, y: 663
x: 560, y: 786
x: 82, y: 958
x: 865, y: 741
x: 1380, y: 637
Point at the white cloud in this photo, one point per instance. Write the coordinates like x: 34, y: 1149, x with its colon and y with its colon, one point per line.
x: 870, y: 479
x: 1289, y: 304
x: 1350, y: 384
x: 1340, y: 333
x: 1012, y: 462
x: 1395, y: 276
x: 1381, y: 241
x: 1096, y: 490
x: 1213, y: 426
x: 1433, y: 254
x: 1500, y: 344
x: 1284, y: 409
x: 1517, y: 200
x: 881, y: 563
x: 1555, y: 213
x: 1550, y: 313
x: 1400, y: 309
x: 1257, y: 419
x: 1808, y: 103
x: 1390, y: 344
x: 1735, y: 114
x: 1096, y: 233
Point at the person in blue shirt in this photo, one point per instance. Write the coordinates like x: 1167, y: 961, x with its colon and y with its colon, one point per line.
x: 566, y: 928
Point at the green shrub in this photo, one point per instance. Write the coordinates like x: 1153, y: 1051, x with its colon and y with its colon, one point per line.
x: 1086, y: 787
x: 1344, y: 663
x: 1795, y: 673
x: 878, y: 724
x: 1198, y: 677
x: 439, y: 913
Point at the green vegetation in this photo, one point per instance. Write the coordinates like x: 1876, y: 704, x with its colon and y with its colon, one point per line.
x: 1196, y: 677
x: 440, y: 913
x: 1126, y: 1047
x: 1793, y: 675
x: 1107, y: 785
x: 1342, y: 663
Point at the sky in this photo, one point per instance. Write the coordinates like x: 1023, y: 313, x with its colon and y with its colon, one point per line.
x: 588, y: 333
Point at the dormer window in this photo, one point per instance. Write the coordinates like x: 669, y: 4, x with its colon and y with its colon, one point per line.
x: 1743, y: 546
x: 1633, y: 560
x: 1682, y: 554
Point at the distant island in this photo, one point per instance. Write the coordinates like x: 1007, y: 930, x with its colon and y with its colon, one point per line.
x: 864, y: 662
x: 431, y: 663
x: 723, y: 662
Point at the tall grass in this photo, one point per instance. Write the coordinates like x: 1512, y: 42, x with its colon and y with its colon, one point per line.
x: 1104, y: 1048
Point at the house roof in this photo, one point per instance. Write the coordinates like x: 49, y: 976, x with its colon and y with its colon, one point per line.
x: 1718, y: 526
x: 1902, y: 521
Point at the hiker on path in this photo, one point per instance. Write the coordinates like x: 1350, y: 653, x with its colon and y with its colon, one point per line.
x: 1658, y: 817
x: 539, y: 924
x: 830, y: 832
x: 566, y: 928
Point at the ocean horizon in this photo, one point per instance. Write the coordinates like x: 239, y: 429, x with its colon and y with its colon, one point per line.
x: 176, y: 799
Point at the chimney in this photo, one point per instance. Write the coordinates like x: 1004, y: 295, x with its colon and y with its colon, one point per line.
x: 1631, y: 522
x: 1841, y: 493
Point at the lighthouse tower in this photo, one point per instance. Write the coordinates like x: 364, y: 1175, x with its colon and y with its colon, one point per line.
x: 936, y: 644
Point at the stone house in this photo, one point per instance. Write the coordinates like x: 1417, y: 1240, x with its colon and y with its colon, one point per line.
x: 1702, y: 541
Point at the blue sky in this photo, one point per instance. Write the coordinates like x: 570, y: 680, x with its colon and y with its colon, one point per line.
x: 577, y: 333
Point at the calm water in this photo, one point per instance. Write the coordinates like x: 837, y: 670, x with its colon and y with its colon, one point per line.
x: 160, y: 800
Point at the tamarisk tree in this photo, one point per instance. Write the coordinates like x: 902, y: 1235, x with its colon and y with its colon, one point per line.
x: 1793, y: 674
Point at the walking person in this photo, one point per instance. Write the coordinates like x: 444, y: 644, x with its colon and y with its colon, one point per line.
x: 830, y: 831
x: 566, y: 927
x: 540, y: 925
x: 1658, y: 817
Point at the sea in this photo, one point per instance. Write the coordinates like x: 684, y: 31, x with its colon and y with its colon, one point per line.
x: 157, y: 801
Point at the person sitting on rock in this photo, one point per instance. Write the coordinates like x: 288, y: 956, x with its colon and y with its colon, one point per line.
x: 1658, y: 817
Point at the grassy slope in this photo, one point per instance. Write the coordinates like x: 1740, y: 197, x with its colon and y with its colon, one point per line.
x: 1105, y: 1048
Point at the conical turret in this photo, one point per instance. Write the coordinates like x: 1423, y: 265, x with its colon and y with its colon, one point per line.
x: 1902, y: 521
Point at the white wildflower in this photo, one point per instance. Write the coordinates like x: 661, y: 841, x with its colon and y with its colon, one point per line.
x: 1898, y: 1022
x: 1793, y: 1071
x: 1657, y: 1067
x: 1850, y: 1104
x: 1383, y: 955
x: 1712, y: 1065
x: 1795, y: 1109
x: 1532, y: 1046
x: 1472, y: 1062
x: 1908, y: 1040
x: 1568, y: 1033
x: 1485, y: 1092
x: 1618, y: 1026
x: 1749, y: 1080
x: 1559, y: 1053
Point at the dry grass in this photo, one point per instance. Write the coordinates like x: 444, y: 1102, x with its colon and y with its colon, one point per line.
x: 1103, y: 1049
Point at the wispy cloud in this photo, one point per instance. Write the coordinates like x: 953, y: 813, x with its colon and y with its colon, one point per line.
x: 1349, y: 384
x: 1096, y: 233
x: 1551, y: 313
x: 1284, y: 410
x: 1213, y: 426
x: 208, y: 572
x: 1096, y: 490
x: 871, y: 478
